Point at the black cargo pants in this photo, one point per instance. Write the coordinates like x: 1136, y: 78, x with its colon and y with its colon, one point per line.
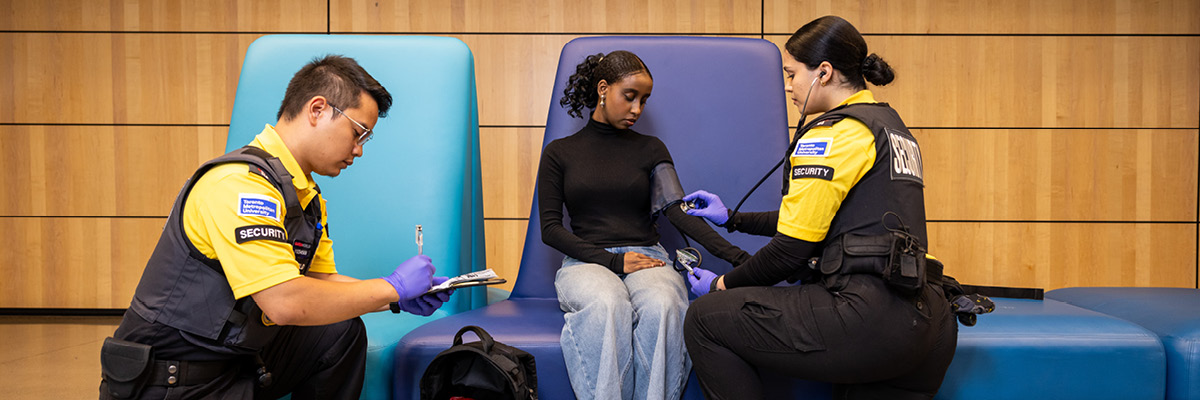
x: 851, y: 330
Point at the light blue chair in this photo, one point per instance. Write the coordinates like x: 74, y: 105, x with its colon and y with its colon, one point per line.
x: 422, y: 166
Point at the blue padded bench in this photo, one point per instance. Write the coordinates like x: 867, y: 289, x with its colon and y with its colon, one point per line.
x: 422, y: 166
x: 719, y: 108
x: 1031, y: 349
x: 1171, y: 313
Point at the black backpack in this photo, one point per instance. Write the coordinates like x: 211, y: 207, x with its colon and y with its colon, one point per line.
x: 486, y: 369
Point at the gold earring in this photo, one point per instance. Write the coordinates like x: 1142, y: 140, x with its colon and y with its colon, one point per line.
x: 601, y: 100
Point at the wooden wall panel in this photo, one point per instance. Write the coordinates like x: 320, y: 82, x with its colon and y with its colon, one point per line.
x: 75, y: 262
x: 1077, y: 175
x: 547, y: 16
x: 514, y: 75
x: 1036, y: 81
x: 1054, y: 255
x: 509, y: 157
x: 99, y: 78
x: 992, y: 17
x: 505, y: 241
x: 100, y: 170
x: 165, y: 15
x: 1064, y: 110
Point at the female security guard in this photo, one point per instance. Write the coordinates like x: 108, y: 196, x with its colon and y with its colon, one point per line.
x: 863, y: 319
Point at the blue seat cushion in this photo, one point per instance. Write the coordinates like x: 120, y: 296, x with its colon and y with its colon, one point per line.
x: 384, y: 331
x: 532, y: 325
x: 1026, y: 349
x: 1030, y: 349
x: 1171, y: 313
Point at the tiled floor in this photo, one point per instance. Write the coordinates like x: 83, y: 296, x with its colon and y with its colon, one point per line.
x: 52, y: 357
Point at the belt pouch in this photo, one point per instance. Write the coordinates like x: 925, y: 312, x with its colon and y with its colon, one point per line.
x: 126, y: 367
x: 905, y: 269
x: 866, y: 254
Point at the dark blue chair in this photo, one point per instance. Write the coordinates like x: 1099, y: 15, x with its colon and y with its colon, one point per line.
x: 718, y: 104
x: 422, y: 166
x: 1171, y: 313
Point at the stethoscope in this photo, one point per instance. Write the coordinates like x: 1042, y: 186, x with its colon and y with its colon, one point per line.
x: 688, y: 257
x: 799, y: 128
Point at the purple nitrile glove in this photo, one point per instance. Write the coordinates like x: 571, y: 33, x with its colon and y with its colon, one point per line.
x: 424, y: 305
x: 709, y: 206
x: 701, y: 280
x: 412, y: 278
x: 442, y: 295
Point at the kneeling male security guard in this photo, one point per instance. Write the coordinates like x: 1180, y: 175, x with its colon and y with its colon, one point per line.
x: 241, y: 298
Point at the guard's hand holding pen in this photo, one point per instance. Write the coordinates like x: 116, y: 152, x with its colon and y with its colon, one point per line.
x: 424, y: 305
x: 701, y: 280
x: 707, y: 205
x: 413, y: 277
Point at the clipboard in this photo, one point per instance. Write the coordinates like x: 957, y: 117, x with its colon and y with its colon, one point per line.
x: 485, y: 282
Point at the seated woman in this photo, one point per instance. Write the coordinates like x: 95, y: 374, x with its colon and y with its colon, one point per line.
x: 623, y: 336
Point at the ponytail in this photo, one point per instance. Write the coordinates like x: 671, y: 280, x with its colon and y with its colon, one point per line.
x: 580, y: 92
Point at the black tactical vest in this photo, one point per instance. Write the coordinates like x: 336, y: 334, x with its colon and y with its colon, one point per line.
x: 894, y: 184
x: 183, y: 289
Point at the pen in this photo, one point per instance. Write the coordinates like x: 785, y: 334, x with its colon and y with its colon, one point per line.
x: 419, y: 239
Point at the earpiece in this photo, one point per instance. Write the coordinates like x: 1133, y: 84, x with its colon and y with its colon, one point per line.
x: 821, y: 75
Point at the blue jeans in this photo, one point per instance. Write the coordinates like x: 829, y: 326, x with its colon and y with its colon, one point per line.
x: 623, y: 337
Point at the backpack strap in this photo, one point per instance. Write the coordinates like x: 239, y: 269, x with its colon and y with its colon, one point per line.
x: 484, y: 337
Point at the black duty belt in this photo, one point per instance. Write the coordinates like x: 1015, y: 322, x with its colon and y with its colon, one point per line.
x: 187, y: 373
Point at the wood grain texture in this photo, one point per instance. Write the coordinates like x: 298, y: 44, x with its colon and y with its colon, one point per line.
x: 547, y: 16
x: 56, y: 171
x: 1055, y: 255
x: 1039, y: 81
x: 509, y: 159
x: 165, y: 15
x: 75, y: 262
x: 98, y: 78
x: 514, y: 75
x: 505, y: 241
x: 1060, y: 110
x: 1057, y: 175
x: 52, y: 357
x: 992, y: 17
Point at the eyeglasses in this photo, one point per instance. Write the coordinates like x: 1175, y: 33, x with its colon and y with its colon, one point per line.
x: 364, y: 137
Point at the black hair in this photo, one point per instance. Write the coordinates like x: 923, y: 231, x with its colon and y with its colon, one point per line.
x: 611, y: 67
x: 833, y: 39
x: 340, y: 79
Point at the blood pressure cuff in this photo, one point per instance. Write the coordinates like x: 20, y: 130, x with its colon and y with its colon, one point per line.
x: 126, y: 367
x: 665, y: 189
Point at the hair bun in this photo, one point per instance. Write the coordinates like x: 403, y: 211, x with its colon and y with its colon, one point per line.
x: 877, y: 71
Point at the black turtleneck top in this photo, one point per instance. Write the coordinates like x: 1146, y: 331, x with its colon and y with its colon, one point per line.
x: 602, y: 175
